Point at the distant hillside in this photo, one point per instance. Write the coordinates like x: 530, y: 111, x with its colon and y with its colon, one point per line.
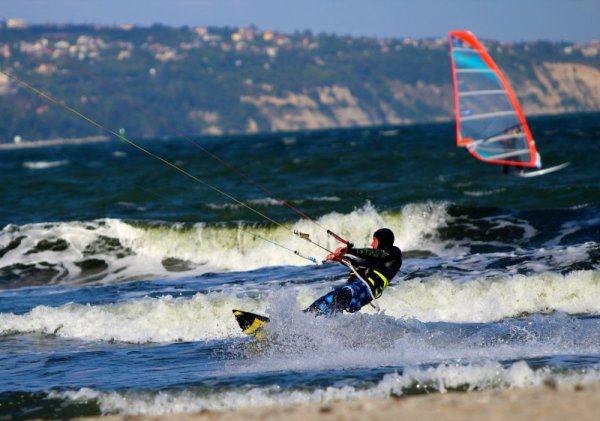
x: 163, y: 81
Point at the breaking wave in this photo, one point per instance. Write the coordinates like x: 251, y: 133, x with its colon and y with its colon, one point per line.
x: 113, y: 250
x: 408, y: 305
x: 442, y: 378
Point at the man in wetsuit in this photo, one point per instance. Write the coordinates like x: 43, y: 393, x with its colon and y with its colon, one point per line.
x: 375, y: 267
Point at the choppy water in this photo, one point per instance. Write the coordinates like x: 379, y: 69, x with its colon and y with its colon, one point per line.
x: 118, y: 274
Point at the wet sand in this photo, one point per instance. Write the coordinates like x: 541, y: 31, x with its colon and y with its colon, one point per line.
x: 550, y: 402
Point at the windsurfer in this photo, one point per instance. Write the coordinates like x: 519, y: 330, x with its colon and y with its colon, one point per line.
x: 509, y: 144
x: 373, y: 269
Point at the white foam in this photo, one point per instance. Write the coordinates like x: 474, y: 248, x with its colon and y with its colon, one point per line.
x: 574, y: 226
x: 489, y: 375
x: 564, y: 256
x: 269, y: 201
x: 263, y: 202
x: 42, y: 165
x: 163, y: 319
x: 139, y: 251
x: 481, y: 193
x: 415, y: 227
x: 487, y: 300
x: 301, y: 342
x: 326, y: 199
x: 208, y: 316
x: 80, y: 239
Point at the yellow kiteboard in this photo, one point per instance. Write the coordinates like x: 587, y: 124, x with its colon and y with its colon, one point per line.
x: 251, y: 324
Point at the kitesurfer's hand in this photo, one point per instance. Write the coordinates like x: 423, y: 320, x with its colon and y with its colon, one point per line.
x: 337, y: 254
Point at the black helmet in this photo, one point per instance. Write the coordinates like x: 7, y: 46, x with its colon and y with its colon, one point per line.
x: 385, y: 237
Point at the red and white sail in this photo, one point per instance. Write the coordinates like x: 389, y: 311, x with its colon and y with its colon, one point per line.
x: 489, y: 120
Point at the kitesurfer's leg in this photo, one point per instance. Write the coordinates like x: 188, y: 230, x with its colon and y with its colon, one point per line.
x: 341, y: 300
x: 336, y: 301
x: 360, y: 297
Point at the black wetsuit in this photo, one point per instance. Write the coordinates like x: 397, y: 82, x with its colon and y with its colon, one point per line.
x: 376, y: 267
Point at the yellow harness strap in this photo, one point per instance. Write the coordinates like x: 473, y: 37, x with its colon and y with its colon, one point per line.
x: 377, y: 291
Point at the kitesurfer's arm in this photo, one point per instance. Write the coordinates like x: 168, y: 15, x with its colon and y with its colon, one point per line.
x: 366, y: 256
x: 337, y: 254
x: 358, y: 256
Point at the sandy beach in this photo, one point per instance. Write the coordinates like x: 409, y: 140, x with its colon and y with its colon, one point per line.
x: 550, y: 402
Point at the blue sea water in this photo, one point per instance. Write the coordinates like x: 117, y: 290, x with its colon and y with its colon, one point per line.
x: 118, y: 273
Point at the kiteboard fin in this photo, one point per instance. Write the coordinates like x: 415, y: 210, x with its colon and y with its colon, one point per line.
x: 250, y: 323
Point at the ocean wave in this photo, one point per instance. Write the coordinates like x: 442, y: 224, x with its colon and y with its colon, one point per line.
x: 112, y: 250
x: 269, y: 201
x: 442, y: 378
x: 42, y: 165
x: 406, y: 307
x: 326, y: 199
x: 480, y: 193
x: 160, y: 320
x: 264, y: 202
x: 487, y: 300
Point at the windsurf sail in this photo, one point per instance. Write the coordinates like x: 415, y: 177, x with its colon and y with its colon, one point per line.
x: 489, y: 120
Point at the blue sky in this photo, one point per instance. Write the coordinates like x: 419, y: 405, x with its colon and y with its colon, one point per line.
x: 506, y: 20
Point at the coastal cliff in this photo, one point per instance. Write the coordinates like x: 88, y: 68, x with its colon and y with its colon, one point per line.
x: 163, y: 81
x: 557, y: 88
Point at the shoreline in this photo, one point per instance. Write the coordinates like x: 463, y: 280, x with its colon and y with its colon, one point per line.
x: 548, y: 402
x: 53, y: 142
x: 386, y: 130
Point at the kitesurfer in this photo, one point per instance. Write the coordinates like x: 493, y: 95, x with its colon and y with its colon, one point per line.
x: 373, y: 267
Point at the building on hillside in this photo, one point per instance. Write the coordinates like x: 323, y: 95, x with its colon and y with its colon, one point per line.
x: 16, y: 23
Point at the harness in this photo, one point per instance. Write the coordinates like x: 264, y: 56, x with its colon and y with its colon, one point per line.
x: 378, y: 284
